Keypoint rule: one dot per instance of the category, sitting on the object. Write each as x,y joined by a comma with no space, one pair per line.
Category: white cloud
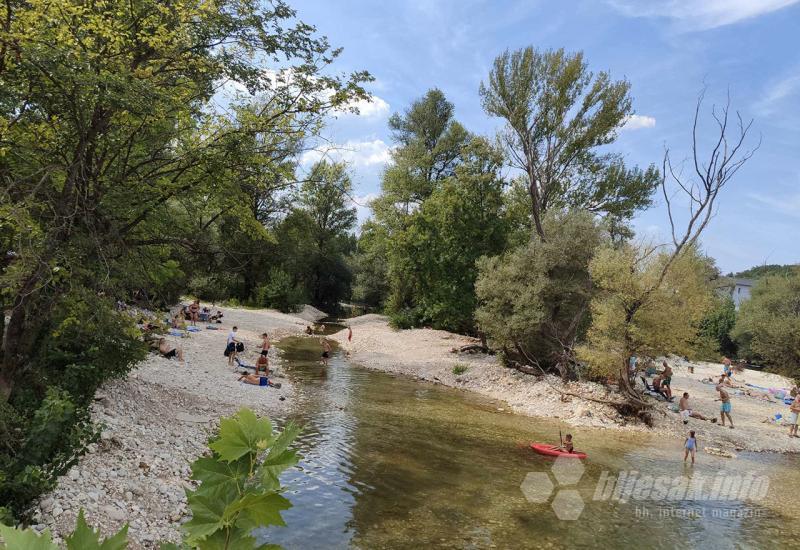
358,154
637,122
789,204
776,92
700,14
375,107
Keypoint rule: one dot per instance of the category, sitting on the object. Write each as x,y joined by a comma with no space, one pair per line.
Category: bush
406,318
715,330
214,288
41,448
279,292
768,324
88,342
533,298
239,491
45,426
460,369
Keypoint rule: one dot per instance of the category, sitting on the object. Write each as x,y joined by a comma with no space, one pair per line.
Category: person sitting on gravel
262,365
168,350
659,389
687,412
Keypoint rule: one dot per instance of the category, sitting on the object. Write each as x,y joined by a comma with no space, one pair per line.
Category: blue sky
667,49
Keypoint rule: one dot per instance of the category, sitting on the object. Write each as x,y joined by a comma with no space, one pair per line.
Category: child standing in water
690,446
326,351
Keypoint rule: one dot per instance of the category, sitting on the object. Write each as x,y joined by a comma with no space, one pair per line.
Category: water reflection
389,462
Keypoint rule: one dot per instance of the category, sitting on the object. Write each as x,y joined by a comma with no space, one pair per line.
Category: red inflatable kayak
552,450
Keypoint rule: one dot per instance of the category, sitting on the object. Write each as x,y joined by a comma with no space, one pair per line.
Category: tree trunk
15,347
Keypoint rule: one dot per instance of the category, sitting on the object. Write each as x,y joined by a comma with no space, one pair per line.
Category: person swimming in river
567,444
326,351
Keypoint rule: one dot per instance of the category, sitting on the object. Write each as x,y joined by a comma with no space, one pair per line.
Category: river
390,462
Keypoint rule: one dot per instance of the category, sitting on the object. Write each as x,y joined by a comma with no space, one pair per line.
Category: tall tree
558,114
429,142
325,198
459,223
108,118
637,281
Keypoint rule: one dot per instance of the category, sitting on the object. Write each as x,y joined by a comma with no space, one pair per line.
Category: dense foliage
147,149
768,324
238,491
444,202
534,298
715,330
641,308
760,271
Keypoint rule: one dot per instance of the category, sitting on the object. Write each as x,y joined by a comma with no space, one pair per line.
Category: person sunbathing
257,380
167,350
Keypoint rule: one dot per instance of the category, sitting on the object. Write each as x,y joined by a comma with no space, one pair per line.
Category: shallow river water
390,462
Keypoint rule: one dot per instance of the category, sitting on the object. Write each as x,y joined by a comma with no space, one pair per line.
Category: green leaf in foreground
86,538
239,484
17,539
241,434
208,506
211,471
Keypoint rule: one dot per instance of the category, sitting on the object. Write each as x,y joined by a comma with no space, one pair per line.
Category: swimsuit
170,354
325,354
690,444
726,407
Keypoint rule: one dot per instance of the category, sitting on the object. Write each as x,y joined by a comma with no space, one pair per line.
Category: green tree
652,295
558,115
325,198
108,125
716,327
429,142
370,266
460,222
768,325
641,308
533,298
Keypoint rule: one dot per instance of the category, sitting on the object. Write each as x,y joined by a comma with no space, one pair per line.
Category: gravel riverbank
427,354
156,422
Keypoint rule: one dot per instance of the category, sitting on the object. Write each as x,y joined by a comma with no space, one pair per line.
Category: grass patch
459,369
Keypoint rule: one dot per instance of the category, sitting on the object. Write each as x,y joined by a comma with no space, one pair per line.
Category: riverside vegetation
150,151
238,491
